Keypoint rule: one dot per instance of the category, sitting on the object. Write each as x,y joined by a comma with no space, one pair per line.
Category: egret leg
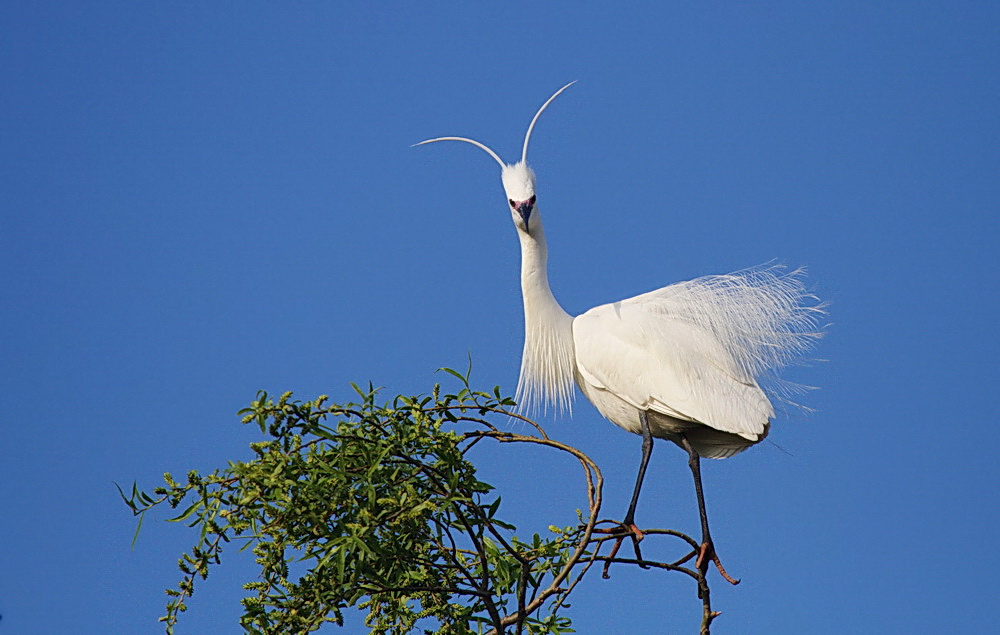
707,546
628,524
647,451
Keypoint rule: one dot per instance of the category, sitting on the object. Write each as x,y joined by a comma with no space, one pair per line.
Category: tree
378,507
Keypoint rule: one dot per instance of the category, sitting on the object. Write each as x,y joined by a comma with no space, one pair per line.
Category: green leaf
187,512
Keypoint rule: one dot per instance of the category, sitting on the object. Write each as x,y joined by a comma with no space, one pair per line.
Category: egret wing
659,360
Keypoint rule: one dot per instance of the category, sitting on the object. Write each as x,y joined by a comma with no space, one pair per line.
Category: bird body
679,363
678,374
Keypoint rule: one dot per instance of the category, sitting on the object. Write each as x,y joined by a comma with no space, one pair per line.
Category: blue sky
200,202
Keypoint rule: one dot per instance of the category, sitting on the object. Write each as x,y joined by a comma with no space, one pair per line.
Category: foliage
378,507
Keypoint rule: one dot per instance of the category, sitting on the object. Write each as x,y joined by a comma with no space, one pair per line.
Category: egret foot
623,530
706,554
637,534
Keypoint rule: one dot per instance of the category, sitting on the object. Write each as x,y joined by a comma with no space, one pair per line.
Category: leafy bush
381,508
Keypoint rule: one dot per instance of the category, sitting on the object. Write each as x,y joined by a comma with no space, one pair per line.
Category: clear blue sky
197,203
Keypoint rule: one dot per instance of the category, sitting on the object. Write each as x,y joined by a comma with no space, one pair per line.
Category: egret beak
524,211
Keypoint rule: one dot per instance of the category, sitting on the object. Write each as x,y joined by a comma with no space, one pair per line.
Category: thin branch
522,587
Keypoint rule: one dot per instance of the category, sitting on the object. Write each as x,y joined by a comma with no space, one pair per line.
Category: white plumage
679,363
689,354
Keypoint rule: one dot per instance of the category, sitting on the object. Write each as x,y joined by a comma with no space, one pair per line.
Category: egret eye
512,203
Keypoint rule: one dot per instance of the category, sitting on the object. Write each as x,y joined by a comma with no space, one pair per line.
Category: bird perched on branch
681,363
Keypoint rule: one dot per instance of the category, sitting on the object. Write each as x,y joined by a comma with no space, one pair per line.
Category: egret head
519,185
518,178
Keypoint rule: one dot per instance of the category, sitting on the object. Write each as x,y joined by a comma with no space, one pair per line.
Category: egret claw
626,530
706,553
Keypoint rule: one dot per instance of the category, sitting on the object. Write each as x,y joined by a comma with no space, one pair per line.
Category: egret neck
548,362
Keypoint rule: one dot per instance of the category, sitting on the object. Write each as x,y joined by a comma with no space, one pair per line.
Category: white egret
680,363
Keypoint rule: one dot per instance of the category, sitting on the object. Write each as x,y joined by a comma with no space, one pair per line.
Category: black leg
647,451
628,527
707,546
694,462
629,522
